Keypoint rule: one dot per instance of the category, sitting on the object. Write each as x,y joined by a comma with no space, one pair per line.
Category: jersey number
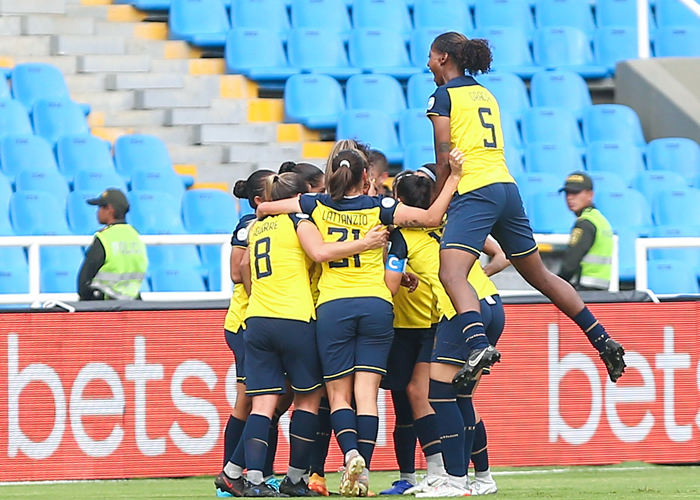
344,236
263,266
490,126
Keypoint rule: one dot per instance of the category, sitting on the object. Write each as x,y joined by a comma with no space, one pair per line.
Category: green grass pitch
621,482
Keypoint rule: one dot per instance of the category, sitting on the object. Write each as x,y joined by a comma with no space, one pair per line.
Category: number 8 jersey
360,275
475,128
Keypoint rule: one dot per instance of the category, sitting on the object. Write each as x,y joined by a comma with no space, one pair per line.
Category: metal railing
642,245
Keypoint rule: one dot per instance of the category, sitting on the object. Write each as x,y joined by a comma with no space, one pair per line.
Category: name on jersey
480,95
345,218
262,226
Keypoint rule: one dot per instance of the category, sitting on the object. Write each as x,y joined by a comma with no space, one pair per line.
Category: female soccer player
465,115
311,174
354,327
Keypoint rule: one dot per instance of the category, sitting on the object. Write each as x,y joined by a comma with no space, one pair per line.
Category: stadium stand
419,89
379,92
415,128
566,48
53,119
511,50
530,184
625,157
416,154
420,41
652,182
674,13
452,15
164,181
551,125
97,181
677,41
316,101
372,127
200,22
613,44
180,279
510,92
675,154
13,118
620,13
48,181
690,256
83,152
31,82
671,277
568,13
548,214
559,159
625,208
511,13
267,14
560,89
389,15
82,218
677,208
319,51
608,181
381,51
257,54
321,15
612,122
25,152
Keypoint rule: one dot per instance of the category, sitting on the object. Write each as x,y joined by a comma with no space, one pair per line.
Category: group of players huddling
329,304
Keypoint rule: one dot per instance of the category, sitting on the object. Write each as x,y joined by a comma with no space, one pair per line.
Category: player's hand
410,281
456,161
377,237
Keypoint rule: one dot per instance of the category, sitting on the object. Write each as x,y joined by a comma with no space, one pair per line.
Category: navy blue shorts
237,345
410,346
354,335
496,209
450,345
280,349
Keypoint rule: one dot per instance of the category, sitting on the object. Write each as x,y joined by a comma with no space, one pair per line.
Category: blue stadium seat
214,279
690,256
674,13
381,51
420,42
177,279
158,180
607,181
619,13
612,122
200,22
627,208
419,89
511,13
58,280
48,181
560,89
82,218
566,48
570,13
154,212
36,212
677,208
5,90
321,15
558,159
372,127
34,81
258,54
319,51
676,154
416,155
511,134
382,14
450,14
5,195
548,213
174,256
267,14
626,238
139,151
670,277
147,4
514,160
209,211
66,258
415,127
677,41
83,152
53,119
25,152
14,279
97,181
613,44
380,92
509,90
315,101
551,125
529,184
652,182
13,118
511,50
623,158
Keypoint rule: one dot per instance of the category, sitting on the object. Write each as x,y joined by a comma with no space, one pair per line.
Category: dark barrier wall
147,393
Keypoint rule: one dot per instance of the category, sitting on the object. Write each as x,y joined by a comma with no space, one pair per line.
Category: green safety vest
596,264
125,264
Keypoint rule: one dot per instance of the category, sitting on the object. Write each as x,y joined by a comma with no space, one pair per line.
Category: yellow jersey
279,268
239,299
475,128
360,275
420,248
414,310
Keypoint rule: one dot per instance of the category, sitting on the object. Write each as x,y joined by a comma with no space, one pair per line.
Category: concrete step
96,12
32,7
134,118
108,64
107,101
140,81
67,64
153,99
170,135
87,45
217,114
155,48
228,173
86,82
195,154
263,153
10,26
254,133
109,28
159,65
25,45
57,25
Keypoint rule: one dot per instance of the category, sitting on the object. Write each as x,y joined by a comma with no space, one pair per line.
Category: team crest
242,234
431,103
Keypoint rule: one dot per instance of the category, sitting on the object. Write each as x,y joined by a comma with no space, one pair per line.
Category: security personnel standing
115,265
588,258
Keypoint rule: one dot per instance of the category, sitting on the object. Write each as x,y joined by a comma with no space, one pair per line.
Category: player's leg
236,421
317,479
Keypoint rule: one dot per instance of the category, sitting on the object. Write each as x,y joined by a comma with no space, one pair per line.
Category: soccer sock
480,452
238,457
302,432
404,433
472,327
344,425
255,435
594,331
232,435
443,399
429,436
268,469
466,408
367,429
323,439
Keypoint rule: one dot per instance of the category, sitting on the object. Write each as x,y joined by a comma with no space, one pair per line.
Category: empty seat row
50,119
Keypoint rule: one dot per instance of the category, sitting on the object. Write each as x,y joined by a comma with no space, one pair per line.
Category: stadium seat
154,212
380,92
651,182
5,90
53,119
671,277
453,15
214,279
511,134
389,15
690,256
14,279
415,127
34,81
139,151
509,90
566,48
258,54
147,4
510,49
200,22
381,51
560,89
570,13
58,280
174,256
548,213
626,241
677,41
419,89
267,14
163,181
83,152
65,258
607,181
511,13
25,152
13,118
674,13
514,160
420,42
626,208
97,181
619,13
38,213
677,208
371,127
559,159
623,158
82,218
676,154
612,122
321,15
180,279
613,44
48,181
319,51
315,101
553,125
5,195
416,155
530,184
208,211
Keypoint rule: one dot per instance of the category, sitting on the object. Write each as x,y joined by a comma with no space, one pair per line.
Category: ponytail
346,172
253,186
470,56
283,186
310,174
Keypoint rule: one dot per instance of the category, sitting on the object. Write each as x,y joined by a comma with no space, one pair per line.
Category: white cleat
483,484
425,484
350,482
446,488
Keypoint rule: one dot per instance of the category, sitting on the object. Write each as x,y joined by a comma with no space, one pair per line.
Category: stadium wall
146,393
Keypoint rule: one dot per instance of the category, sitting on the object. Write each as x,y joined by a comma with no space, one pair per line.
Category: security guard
116,262
588,258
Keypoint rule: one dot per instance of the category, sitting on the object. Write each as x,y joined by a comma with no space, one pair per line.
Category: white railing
34,243
640,254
